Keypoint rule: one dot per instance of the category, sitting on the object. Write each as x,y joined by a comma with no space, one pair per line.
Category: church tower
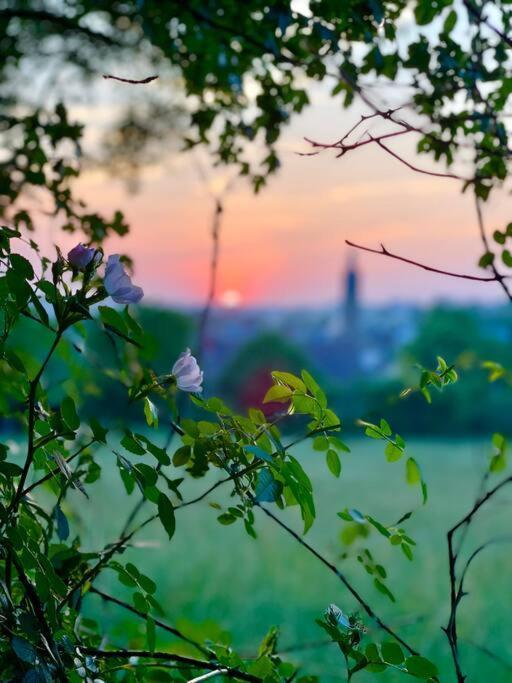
350,300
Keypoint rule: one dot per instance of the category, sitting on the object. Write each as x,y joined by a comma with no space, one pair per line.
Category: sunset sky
285,246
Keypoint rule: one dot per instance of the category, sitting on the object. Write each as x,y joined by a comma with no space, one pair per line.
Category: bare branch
385,252
416,168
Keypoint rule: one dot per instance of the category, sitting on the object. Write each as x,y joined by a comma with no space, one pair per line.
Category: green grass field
220,576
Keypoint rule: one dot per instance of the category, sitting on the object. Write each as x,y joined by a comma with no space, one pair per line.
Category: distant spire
351,291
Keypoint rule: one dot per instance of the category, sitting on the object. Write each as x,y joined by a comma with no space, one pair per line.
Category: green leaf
61,523
166,514
21,266
278,393
132,444
333,462
24,650
412,472
421,667
392,652
150,413
69,414
112,318
267,488
383,589
99,432
291,380
393,452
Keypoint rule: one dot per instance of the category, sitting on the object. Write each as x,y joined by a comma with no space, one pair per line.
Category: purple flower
118,283
187,372
80,256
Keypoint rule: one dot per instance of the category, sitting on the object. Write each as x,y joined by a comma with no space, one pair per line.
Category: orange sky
286,245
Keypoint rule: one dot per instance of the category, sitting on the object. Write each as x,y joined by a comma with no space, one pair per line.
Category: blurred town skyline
285,247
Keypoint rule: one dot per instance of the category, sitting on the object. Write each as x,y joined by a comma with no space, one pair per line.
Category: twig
416,168
168,656
369,611
457,591
385,252
490,653
56,470
34,383
131,81
158,622
483,236
476,12
215,233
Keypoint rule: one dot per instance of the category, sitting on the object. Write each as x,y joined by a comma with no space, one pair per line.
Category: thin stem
414,168
385,252
369,611
457,591
167,656
158,622
56,470
483,236
40,616
215,234
31,425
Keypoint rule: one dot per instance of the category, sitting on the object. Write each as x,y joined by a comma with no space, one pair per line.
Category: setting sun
230,298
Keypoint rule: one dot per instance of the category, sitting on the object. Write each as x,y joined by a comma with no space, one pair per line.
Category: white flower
187,372
118,283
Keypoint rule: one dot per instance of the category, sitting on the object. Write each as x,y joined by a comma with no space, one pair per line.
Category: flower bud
80,256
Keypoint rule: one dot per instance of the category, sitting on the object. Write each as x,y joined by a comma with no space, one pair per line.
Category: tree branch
385,252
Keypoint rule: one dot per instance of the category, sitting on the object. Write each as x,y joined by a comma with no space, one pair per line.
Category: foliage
46,573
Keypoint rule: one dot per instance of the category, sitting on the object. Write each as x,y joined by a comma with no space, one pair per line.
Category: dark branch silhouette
385,252
457,591
168,656
131,81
